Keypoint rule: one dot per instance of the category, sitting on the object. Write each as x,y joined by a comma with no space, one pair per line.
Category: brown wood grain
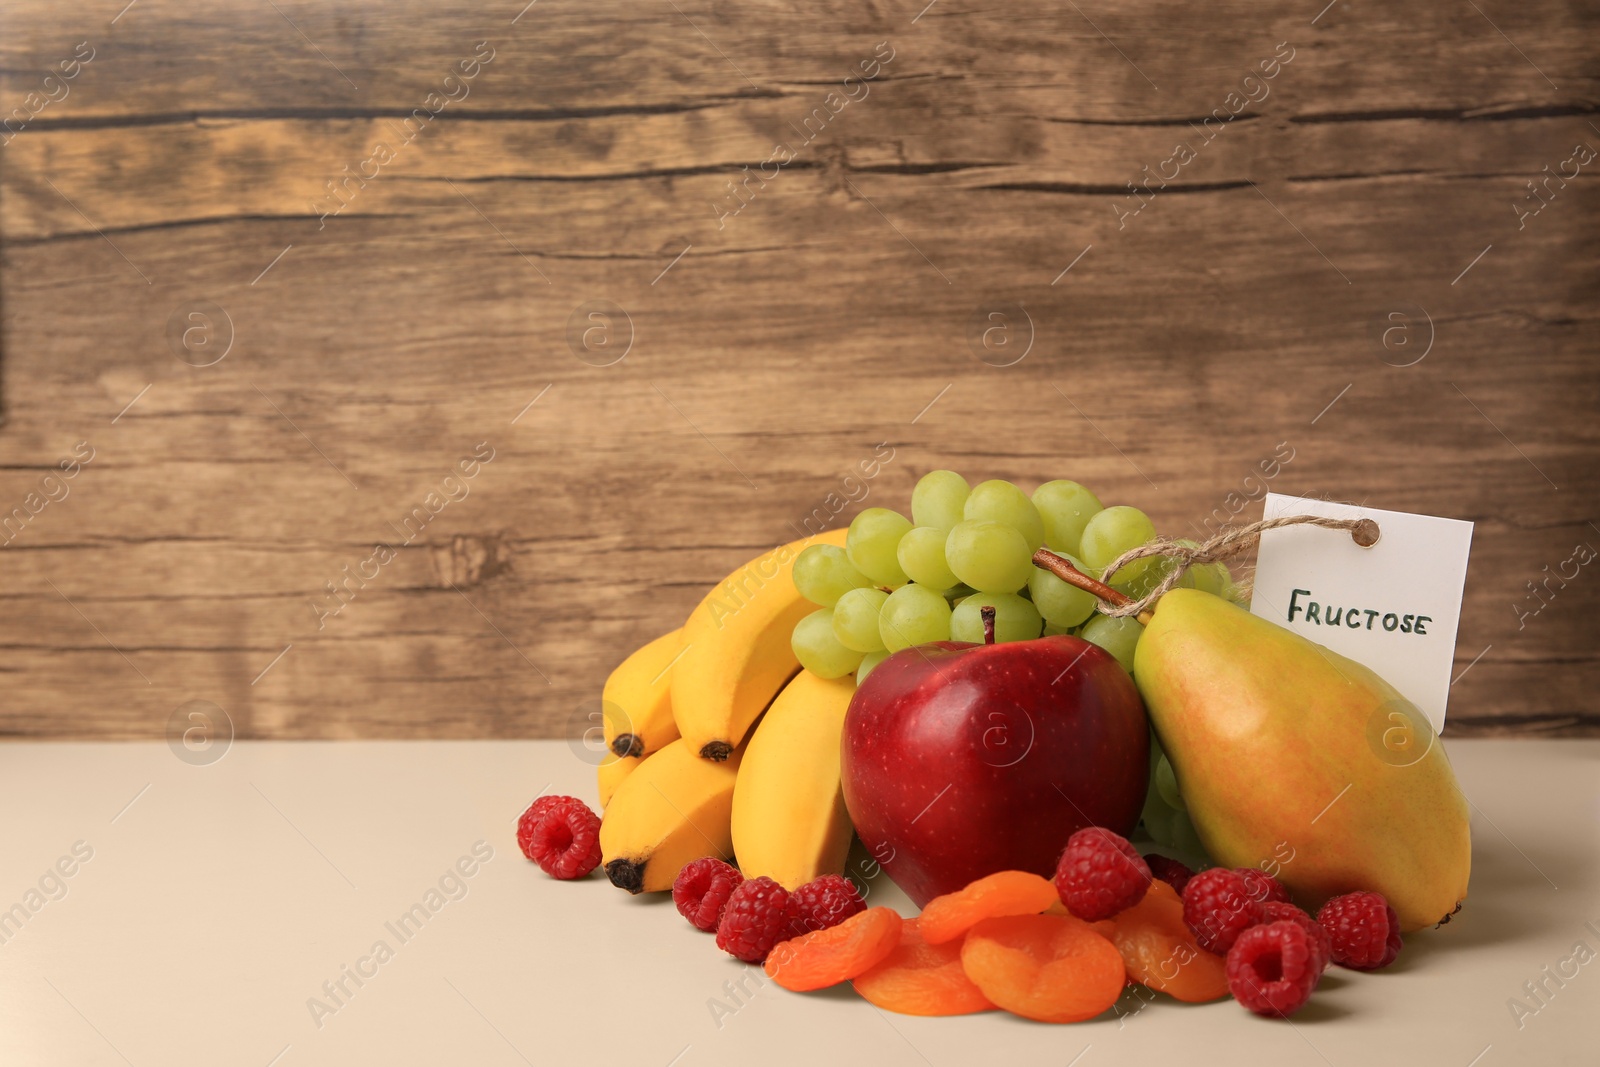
772,350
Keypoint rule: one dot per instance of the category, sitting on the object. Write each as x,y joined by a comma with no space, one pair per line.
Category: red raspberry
702,888
561,835
1100,874
526,822
1218,907
823,902
1281,911
1272,968
1169,870
1364,929
754,919
1262,886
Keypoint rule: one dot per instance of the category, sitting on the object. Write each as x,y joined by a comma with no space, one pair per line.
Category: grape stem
1062,568
987,614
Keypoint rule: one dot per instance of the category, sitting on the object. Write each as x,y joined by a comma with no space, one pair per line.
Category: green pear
1298,761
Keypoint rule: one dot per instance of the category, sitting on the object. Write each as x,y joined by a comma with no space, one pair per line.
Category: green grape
1167,782
818,650
1052,630
1184,837
855,619
1157,817
1062,605
1014,618
1117,636
938,499
1213,578
823,573
989,556
921,556
868,662
874,535
913,615
1066,507
1112,532
1153,576
958,591
1002,502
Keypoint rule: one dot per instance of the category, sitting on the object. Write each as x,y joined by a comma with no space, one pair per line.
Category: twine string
1230,542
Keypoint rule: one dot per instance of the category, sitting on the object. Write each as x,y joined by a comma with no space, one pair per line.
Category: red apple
960,760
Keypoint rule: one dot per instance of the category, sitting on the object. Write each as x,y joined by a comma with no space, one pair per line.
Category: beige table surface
219,898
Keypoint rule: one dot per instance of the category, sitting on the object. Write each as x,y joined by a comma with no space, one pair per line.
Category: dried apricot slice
1053,968
921,979
826,957
1002,893
1160,952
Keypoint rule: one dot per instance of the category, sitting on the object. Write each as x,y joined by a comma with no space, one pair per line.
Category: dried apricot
921,979
1160,951
1002,893
1053,968
826,957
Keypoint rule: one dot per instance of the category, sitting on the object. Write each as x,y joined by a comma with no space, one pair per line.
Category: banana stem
987,614
1062,568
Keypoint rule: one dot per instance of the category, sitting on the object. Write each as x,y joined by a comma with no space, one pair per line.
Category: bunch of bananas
682,780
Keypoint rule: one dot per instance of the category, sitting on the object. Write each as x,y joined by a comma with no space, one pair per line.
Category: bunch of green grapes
900,582
1166,815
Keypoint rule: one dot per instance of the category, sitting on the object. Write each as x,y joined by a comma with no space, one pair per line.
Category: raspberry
754,919
1218,907
1261,886
821,903
1272,968
1169,870
528,819
1364,929
702,888
1100,874
1282,911
561,835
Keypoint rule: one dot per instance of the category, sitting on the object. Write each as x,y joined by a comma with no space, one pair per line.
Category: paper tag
1393,607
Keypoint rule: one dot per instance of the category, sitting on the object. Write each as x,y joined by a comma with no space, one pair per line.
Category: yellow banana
612,770
736,654
637,700
674,808
789,819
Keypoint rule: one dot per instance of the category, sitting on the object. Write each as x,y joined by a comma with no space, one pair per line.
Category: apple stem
987,614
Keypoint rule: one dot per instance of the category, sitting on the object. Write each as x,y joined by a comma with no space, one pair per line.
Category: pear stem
987,614
1062,568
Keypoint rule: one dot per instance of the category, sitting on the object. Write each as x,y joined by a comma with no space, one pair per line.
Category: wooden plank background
185,165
